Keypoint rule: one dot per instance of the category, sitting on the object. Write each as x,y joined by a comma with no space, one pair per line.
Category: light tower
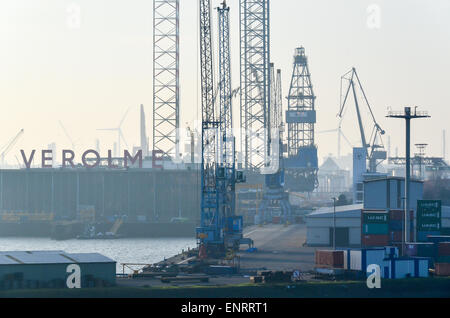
166,86
255,82
302,160
407,115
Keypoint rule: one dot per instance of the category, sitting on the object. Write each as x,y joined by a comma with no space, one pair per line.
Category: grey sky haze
87,77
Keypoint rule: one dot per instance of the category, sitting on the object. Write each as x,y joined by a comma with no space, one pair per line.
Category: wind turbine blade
124,116
123,138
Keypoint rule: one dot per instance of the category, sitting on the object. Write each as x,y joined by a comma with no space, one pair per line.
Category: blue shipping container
422,235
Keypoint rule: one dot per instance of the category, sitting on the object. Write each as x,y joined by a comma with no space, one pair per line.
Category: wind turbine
340,135
120,135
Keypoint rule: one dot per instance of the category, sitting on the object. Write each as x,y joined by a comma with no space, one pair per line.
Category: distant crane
276,200
67,135
10,145
120,135
374,151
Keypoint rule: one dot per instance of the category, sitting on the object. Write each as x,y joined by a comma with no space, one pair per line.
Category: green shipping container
376,229
377,218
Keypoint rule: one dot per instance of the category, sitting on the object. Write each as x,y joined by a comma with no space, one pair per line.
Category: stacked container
442,265
375,228
429,219
396,224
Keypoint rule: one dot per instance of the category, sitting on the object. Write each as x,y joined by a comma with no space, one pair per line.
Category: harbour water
145,251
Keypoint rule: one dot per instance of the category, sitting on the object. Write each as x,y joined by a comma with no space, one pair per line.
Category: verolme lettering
89,159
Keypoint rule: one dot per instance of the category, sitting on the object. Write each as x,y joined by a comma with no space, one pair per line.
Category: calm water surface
147,251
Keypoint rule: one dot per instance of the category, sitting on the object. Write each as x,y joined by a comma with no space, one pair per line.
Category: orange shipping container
442,269
375,240
330,259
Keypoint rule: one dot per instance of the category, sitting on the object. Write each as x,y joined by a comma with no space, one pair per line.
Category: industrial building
142,195
332,179
49,269
383,194
320,225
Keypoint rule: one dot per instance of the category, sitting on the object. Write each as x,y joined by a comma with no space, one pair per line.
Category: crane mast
220,229
275,201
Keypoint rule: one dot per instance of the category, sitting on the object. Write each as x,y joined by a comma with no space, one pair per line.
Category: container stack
396,224
442,264
375,228
437,250
387,258
429,219
382,228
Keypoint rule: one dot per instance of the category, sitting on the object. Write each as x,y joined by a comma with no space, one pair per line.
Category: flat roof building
49,269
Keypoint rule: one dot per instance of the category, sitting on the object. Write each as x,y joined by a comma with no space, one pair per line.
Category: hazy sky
87,77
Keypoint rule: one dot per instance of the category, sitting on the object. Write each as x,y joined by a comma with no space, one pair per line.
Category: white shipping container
359,259
402,268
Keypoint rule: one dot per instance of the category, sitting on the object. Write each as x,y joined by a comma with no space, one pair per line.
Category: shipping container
423,236
375,217
375,228
443,259
276,220
391,251
444,249
398,268
374,240
329,259
442,269
359,259
396,236
420,249
438,238
397,225
399,215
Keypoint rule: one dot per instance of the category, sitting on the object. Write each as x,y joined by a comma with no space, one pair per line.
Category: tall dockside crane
220,229
255,82
302,161
166,77
374,149
276,200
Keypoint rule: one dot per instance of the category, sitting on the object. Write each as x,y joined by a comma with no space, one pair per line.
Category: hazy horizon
88,76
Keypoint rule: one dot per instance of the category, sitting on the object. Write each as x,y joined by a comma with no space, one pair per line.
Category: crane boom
11,144
371,147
